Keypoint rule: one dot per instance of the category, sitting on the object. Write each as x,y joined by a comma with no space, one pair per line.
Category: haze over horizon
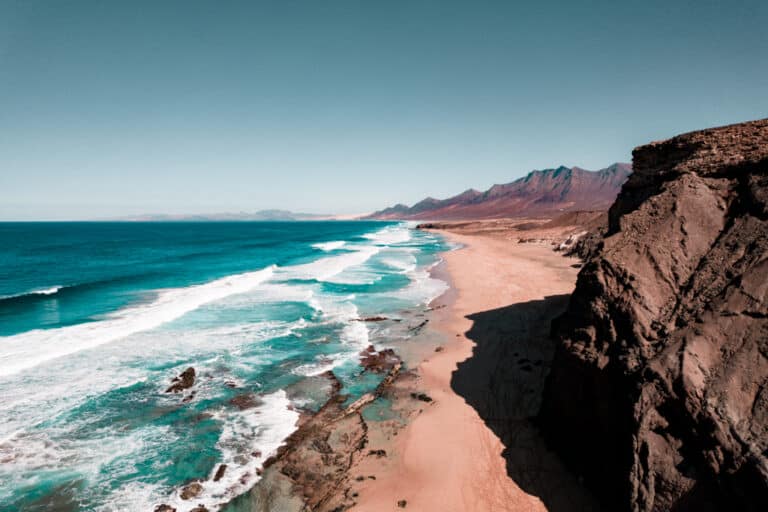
112,110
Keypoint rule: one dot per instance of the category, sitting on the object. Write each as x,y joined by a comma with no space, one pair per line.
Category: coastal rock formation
658,394
192,490
378,362
541,193
312,470
184,381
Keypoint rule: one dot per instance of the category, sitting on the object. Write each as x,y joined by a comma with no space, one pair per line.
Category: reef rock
184,381
658,394
378,362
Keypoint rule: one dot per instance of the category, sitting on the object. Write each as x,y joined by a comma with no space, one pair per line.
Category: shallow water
96,318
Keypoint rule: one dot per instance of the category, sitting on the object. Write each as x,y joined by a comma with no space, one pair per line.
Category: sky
112,108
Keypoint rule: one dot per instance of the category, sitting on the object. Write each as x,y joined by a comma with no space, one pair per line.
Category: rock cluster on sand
658,394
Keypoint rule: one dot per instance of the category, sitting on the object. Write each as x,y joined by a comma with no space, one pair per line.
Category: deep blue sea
97,318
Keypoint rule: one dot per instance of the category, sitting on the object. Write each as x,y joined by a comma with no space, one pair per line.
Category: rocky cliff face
541,193
658,394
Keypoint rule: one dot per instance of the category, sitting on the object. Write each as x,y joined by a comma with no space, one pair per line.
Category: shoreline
451,456
451,427
318,466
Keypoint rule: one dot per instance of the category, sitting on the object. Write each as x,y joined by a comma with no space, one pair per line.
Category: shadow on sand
504,380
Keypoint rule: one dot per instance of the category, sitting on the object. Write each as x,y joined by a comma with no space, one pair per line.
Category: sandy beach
474,448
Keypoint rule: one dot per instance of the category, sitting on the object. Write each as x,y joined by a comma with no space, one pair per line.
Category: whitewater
257,310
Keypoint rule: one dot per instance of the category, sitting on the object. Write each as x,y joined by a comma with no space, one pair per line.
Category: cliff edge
658,394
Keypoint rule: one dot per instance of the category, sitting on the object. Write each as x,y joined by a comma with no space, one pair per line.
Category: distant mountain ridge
265,215
541,192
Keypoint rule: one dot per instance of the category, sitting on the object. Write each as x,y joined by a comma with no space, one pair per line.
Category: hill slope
540,193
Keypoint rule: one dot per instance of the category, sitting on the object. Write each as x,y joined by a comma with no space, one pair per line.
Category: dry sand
474,448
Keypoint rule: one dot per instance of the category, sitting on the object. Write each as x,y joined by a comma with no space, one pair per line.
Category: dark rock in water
335,382
220,472
199,508
184,381
658,393
372,319
164,508
192,490
307,472
245,401
378,362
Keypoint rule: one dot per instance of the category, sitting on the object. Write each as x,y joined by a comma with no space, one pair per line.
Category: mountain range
261,215
540,193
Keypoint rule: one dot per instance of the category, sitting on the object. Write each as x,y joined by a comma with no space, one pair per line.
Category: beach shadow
504,380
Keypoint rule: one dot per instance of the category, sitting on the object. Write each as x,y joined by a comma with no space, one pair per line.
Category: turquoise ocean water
97,318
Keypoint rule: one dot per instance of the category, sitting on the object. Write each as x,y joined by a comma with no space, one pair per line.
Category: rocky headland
658,393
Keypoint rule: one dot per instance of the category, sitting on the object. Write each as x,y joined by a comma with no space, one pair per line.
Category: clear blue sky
115,108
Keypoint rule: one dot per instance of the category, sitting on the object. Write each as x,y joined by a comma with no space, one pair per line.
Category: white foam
42,291
260,430
330,246
270,292
390,235
343,310
46,291
29,452
355,276
132,496
314,369
355,333
326,268
401,259
28,349
423,288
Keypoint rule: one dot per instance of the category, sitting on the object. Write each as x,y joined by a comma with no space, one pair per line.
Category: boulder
184,381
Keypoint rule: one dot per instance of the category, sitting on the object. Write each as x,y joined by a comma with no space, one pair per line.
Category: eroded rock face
658,394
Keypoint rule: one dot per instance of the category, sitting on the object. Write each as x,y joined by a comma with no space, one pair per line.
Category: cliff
658,393
541,193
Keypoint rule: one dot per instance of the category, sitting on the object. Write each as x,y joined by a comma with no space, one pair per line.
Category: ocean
96,319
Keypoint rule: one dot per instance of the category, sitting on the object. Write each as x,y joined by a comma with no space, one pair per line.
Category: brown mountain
540,193
658,393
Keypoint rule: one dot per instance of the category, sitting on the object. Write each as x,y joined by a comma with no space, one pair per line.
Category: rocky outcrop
312,470
378,362
658,394
185,380
543,193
